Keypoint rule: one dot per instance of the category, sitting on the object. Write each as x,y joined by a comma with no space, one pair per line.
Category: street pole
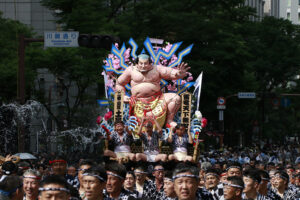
21,84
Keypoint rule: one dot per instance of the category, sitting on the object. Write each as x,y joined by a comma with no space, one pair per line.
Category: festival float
157,89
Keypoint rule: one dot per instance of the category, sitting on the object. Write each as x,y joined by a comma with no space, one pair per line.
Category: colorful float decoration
121,60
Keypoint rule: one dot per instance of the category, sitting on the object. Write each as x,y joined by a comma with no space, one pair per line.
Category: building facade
31,13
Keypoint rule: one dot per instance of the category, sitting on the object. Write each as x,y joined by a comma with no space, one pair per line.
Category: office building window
299,17
299,2
288,16
289,3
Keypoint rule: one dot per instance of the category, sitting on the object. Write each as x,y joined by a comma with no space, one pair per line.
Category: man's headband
140,172
54,189
266,179
211,174
159,169
238,167
280,176
185,175
94,175
55,161
116,175
33,177
168,179
234,185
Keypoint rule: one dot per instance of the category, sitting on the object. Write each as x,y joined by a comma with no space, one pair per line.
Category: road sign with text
246,95
61,39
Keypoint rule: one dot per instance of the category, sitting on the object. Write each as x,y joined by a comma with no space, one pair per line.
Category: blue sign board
61,38
246,95
285,102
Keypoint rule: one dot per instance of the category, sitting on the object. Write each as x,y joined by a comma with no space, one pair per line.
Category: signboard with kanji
186,101
118,106
61,38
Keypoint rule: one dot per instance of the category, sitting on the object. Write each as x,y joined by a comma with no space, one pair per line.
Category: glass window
289,3
288,16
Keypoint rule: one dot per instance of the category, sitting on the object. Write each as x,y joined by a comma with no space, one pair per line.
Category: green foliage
9,32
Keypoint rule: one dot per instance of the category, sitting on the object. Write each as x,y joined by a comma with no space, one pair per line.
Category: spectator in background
31,183
233,189
54,187
72,171
83,166
169,192
59,167
93,181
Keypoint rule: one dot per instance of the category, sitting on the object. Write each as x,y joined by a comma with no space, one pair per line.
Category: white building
286,9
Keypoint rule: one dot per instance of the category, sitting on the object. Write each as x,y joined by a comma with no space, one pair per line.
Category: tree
9,32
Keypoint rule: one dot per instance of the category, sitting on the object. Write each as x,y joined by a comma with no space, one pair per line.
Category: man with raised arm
121,138
150,141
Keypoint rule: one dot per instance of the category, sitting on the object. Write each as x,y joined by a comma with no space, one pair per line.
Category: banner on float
186,102
118,106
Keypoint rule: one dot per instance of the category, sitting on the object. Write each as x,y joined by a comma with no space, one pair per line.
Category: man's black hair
168,174
54,179
131,173
11,184
182,168
236,180
59,157
253,174
119,122
283,175
234,165
117,168
271,164
264,174
178,126
86,162
214,171
98,171
41,165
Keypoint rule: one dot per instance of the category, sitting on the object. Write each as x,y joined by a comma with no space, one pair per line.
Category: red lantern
108,115
99,119
203,122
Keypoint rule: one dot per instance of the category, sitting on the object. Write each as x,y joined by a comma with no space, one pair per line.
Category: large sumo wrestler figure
147,98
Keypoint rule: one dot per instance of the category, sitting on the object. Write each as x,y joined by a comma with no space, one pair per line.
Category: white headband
233,185
168,179
55,189
140,172
94,175
33,177
113,174
185,175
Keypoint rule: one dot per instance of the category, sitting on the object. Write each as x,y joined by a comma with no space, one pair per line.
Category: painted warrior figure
147,98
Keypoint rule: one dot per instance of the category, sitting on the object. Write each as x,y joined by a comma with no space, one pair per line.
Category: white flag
105,82
198,85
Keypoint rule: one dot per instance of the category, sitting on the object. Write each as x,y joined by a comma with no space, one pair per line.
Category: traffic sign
221,107
275,102
221,101
61,39
285,102
246,95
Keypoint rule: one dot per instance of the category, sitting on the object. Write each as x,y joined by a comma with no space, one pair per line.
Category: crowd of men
141,180
230,174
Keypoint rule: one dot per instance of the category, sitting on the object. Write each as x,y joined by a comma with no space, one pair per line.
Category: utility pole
21,84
